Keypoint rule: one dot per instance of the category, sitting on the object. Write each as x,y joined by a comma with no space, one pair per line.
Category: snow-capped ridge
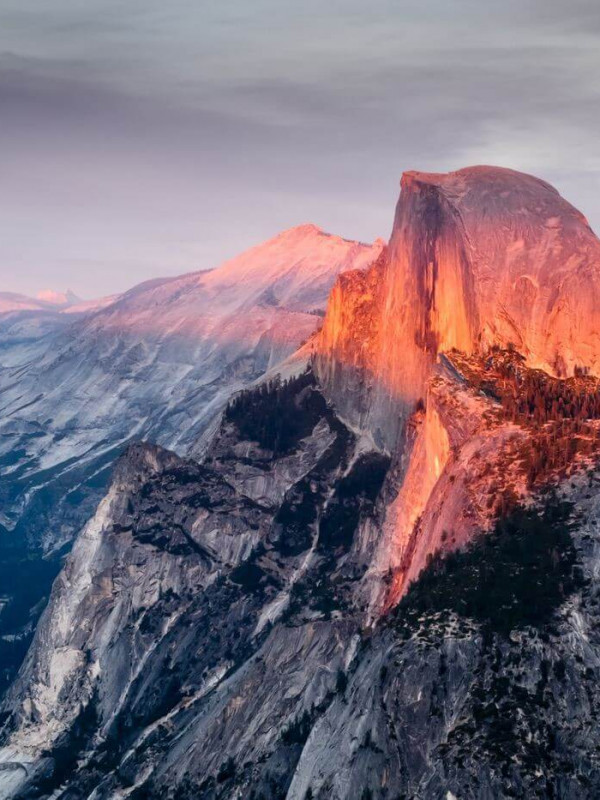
59,299
52,302
297,268
160,360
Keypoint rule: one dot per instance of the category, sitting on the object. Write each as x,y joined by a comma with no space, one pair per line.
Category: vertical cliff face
477,257
462,455
346,349
429,302
533,267
480,258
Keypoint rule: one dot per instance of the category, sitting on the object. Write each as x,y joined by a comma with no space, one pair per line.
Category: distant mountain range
45,301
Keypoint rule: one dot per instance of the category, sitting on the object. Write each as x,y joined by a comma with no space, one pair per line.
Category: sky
143,138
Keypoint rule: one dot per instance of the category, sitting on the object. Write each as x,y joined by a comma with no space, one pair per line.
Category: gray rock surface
204,642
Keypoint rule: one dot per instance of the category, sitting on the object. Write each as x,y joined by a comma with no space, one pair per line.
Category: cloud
160,137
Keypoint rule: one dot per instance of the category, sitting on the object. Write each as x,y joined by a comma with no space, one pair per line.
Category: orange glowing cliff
478,259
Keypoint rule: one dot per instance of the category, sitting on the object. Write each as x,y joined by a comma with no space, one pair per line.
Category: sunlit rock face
525,267
457,462
346,349
477,257
480,257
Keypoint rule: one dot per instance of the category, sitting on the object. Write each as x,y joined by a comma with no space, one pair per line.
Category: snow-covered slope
46,300
156,363
12,301
87,306
28,324
59,299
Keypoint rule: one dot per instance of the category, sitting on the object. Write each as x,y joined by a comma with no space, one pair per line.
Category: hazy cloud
146,138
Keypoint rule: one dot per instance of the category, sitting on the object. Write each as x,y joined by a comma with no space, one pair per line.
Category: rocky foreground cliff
381,581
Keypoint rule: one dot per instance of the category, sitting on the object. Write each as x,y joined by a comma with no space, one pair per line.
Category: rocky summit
375,574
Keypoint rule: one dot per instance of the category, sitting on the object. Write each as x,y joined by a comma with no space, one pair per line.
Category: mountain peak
496,193
304,229
511,253
478,257
300,265
55,298
309,231
486,173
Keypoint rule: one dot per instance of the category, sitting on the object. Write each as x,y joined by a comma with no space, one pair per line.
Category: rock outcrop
180,574
477,257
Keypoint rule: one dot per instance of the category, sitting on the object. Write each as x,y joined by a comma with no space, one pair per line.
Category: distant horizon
148,142
36,293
